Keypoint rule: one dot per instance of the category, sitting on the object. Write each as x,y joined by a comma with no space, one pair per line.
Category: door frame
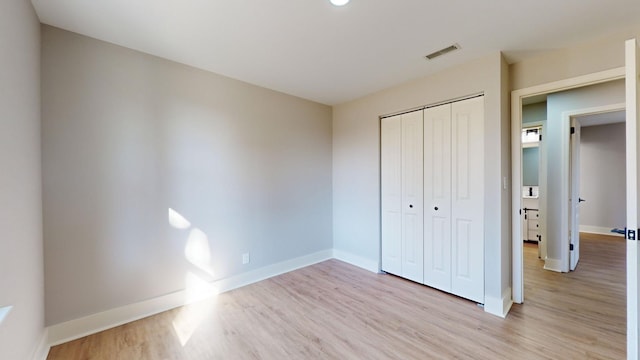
516,160
565,144
632,63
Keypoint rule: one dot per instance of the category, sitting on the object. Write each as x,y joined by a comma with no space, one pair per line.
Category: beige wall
604,53
126,136
356,170
21,274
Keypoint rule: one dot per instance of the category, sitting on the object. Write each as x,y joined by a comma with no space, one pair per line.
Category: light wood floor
336,311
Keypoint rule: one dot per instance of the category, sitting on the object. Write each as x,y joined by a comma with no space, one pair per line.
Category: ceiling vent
441,52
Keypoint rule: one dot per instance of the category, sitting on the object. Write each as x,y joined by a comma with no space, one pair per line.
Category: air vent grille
441,52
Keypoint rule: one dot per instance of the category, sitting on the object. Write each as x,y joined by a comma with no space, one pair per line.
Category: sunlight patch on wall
197,251
177,220
4,311
200,291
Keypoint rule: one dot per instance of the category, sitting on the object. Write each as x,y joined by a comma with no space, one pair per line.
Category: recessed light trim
339,2
443,51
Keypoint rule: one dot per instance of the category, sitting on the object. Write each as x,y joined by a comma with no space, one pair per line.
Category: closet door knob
435,208
411,206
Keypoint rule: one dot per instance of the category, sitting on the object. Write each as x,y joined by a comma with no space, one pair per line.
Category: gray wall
21,274
126,136
602,176
530,166
534,112
557,103
356,166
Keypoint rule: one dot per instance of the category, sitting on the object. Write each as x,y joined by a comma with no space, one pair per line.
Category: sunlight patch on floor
190,318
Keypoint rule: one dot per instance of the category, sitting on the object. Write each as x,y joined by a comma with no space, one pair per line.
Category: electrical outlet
245,258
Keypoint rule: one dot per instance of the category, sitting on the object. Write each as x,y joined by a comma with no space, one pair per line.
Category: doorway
518,97
590,119
631,73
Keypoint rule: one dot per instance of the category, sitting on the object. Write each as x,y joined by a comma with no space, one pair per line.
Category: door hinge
570,247
631,234
520,212
540,138
573,130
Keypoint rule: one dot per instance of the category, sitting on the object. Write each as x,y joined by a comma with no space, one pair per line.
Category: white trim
598,230
75,329
516,159
632,135
553,264
356,260
499,307
42,350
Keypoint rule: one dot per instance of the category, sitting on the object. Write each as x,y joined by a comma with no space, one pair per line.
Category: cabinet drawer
533,224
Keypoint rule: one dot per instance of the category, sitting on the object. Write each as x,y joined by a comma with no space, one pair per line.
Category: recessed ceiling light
339,2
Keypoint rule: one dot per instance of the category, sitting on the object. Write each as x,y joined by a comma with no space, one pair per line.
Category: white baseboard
598,230
553,265
42,350
269,271
499,307
75,329
356,260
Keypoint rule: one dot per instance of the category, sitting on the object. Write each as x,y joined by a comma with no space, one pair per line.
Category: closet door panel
437,197
412,196
391,186
467,243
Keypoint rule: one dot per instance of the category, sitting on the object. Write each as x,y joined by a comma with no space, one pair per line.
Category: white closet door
391,184
437,197
412,197
467,180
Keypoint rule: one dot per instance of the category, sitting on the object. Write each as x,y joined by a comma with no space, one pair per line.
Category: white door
412,197
391,187
632,135
437,197
467,208
574,193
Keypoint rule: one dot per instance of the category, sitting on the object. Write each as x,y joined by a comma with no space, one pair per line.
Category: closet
402,195
432,187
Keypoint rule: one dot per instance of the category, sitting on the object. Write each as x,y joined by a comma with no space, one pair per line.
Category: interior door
437,197
632,135
391,193
412,197
574,193
467,190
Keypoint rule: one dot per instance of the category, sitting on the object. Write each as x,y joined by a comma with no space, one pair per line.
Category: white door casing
632,157
517,97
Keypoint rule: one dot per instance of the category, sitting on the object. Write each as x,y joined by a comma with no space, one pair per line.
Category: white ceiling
602,118
314,50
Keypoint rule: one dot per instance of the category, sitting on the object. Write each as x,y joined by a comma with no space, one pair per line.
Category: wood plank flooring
333,310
